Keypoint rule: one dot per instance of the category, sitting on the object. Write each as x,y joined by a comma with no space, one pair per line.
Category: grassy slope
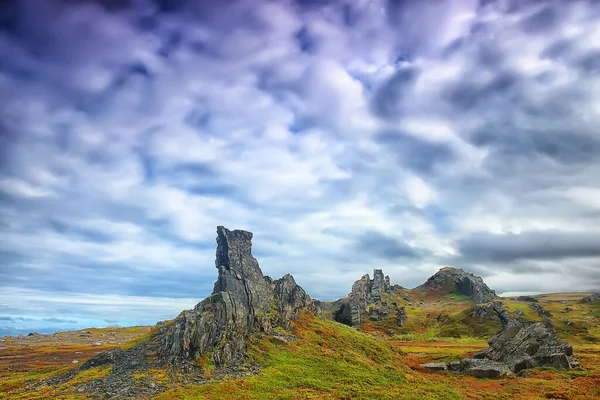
330,361
23,362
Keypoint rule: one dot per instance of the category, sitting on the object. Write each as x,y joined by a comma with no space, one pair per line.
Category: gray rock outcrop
591,298
493,310
521,345
462,281
517,346
527,298
365,292
243,302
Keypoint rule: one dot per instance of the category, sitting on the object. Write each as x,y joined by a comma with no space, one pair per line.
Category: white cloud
418,191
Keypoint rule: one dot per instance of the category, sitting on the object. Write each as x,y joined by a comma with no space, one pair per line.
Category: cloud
380,245
392,134
540,245
60,320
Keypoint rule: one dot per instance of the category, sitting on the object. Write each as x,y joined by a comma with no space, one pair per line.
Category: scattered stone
493,310
97,344
74,361
591,298
435,366
483,368
544,314
454,366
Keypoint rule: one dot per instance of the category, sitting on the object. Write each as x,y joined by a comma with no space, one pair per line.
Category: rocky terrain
519,345
215,333
273,340
376,302
591,298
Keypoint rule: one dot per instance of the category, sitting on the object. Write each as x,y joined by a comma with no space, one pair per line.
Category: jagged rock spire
366,291
243,301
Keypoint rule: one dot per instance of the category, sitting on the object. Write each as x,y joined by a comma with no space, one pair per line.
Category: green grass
457,296
330,361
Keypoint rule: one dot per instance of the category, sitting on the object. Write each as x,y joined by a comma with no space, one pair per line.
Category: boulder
517,346
482,368
436,366
520,345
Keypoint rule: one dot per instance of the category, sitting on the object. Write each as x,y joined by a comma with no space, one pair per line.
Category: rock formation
243,303
591,298
493,310
454,279
369,301
517,346
527,298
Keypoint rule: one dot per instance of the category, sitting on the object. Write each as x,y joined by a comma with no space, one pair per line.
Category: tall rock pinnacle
366,291
243,301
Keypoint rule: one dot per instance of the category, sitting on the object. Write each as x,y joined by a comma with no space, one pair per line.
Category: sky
346,135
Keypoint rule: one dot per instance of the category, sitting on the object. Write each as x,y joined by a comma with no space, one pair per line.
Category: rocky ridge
449,278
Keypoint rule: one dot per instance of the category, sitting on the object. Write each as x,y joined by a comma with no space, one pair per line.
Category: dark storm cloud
538,245
468,95
380,245
542,21
417,154
390,97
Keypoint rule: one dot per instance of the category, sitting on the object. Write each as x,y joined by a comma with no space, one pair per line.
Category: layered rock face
464,282
367,302
243,302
